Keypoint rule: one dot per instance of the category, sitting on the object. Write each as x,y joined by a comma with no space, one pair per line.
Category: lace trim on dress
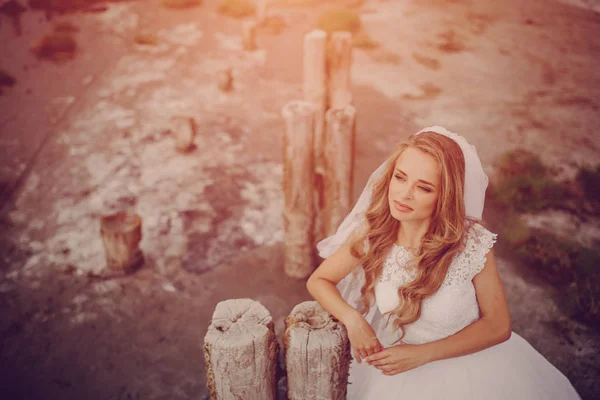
395,267
468,263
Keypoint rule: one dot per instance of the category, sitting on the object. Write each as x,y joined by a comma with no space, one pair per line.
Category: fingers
366,351
381,364
374,347
357,356
360,355
371,350
378,344
365,348
378,356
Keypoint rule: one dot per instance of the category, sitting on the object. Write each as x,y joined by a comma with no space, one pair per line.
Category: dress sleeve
471,260
479,243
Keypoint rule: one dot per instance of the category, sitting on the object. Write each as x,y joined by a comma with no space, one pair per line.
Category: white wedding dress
512,370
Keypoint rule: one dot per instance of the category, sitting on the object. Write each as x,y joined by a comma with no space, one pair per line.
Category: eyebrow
420,180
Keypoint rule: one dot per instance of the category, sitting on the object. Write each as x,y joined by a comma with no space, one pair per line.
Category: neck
411,233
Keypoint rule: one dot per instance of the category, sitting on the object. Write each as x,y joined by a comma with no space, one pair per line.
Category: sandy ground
89,133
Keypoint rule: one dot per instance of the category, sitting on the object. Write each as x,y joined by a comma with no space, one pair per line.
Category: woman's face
414,187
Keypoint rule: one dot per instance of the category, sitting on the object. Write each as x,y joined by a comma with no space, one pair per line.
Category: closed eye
423,188
401,176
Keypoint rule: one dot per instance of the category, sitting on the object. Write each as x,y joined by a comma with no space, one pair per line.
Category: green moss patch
589,179
6,79
572,268
524,183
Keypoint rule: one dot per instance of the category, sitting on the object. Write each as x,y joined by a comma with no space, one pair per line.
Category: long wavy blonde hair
441,243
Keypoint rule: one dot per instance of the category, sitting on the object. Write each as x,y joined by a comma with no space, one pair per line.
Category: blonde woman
411,274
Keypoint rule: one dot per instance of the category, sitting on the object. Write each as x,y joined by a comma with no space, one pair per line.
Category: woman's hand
397,359
362,337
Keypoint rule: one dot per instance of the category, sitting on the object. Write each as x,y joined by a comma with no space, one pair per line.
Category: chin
401,218
399,215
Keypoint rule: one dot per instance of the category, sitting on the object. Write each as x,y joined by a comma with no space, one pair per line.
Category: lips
402,207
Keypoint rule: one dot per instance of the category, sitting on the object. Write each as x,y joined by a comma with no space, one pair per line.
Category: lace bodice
450,309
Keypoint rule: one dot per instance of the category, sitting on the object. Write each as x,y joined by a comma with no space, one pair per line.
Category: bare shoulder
487,280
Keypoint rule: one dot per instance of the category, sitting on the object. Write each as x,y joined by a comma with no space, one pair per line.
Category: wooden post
339,62
315,92
317,354
241,351
121,234
225,80
249,35
298,178
261,10
339,163
183,130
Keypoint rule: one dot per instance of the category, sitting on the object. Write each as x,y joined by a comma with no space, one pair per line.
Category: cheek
392,188
429,202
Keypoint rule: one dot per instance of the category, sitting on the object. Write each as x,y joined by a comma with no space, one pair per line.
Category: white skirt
511,370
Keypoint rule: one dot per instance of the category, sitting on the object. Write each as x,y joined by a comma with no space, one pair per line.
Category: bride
411,274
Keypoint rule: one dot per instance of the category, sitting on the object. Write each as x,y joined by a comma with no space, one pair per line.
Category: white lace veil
476,182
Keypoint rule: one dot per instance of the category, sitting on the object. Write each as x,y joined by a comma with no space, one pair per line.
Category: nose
408,192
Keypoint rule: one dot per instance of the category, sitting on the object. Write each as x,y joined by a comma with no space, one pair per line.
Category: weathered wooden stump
240,351
315,92
261,10
117,199
225,80
315,83
317,354
339,62
121,234
249,35
339,163
298,179
183,130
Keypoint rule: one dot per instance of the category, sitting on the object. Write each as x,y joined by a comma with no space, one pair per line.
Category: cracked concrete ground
519,75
